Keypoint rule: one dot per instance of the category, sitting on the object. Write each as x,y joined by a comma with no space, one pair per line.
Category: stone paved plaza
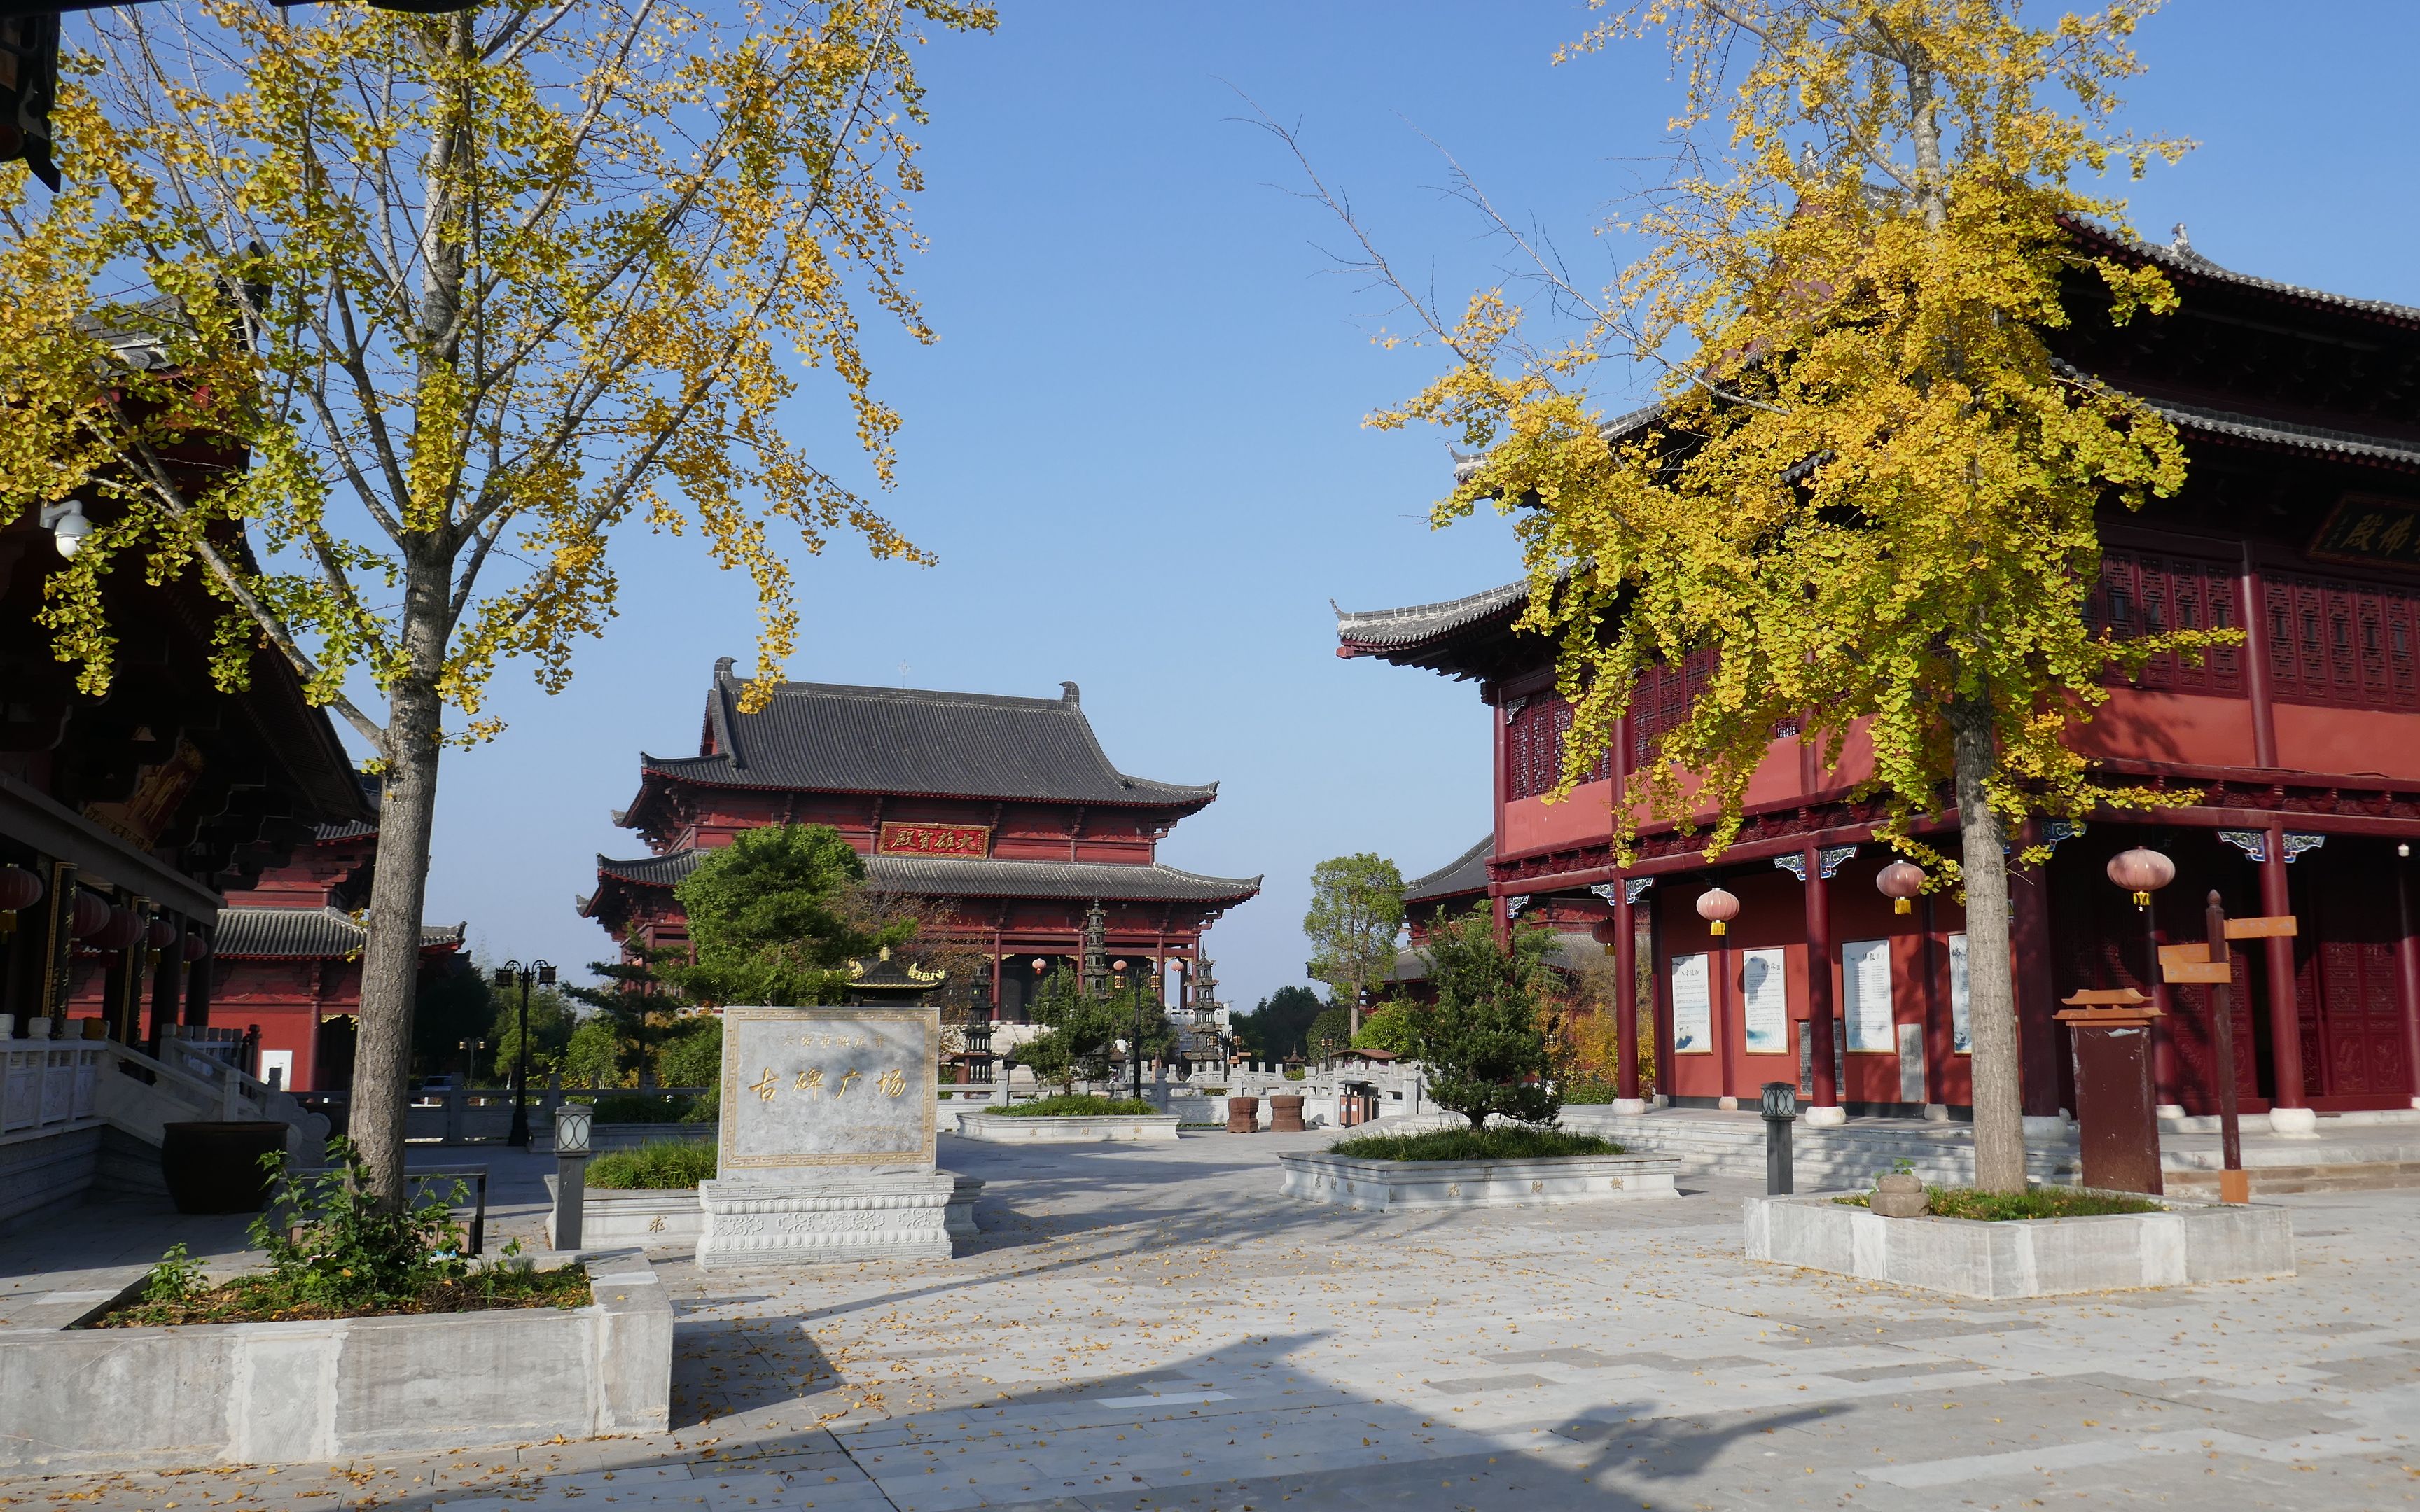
1149,1327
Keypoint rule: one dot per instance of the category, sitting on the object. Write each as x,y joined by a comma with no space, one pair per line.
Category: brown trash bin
1243,1115
1286,1114
215,1168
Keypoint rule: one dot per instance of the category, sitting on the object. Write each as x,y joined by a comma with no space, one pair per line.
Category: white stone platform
753,1222
666,1217
1115,1128
1384,1185
2188,1243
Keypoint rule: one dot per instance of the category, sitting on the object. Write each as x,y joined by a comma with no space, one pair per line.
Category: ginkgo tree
468,294
1867,487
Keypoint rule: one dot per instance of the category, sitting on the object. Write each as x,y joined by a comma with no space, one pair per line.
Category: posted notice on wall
1960,1041
1866,981
1764,1001
1693,1005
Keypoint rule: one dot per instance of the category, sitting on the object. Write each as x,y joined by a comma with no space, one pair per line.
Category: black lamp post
1134,1054
541,972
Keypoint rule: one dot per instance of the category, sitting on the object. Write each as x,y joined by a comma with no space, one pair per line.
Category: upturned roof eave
1191,800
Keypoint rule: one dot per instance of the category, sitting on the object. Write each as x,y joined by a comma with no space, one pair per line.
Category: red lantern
161,935
2142,872
19,888
1603,931
196,947
124,929
1717,907
91,916
1900,882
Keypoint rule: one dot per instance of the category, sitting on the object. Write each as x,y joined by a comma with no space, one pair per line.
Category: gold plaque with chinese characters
809,1088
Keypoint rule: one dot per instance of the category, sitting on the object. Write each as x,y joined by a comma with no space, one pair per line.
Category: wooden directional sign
2193,971
2191,953
2107,997
2271,926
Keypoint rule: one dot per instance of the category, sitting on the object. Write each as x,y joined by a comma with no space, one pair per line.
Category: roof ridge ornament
1070,693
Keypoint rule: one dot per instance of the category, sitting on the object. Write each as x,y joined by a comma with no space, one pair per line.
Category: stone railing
47,1083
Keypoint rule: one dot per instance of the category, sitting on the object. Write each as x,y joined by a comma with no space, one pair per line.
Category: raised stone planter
657,1217
199,1394
1115,1128
2188,1243
1383,1185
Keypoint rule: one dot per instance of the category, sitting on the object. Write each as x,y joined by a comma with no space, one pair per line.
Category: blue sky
1138,448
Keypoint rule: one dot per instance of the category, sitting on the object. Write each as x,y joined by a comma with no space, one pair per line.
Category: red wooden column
2165,1084
1825,1106
2406,975
1626,996
2285,1006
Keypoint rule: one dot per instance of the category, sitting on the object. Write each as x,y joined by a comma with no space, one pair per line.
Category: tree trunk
1991,978
398,888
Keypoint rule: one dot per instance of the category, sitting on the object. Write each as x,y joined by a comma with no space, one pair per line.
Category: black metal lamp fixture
541,972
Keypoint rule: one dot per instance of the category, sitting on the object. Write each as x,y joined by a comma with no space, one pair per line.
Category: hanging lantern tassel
2142,872
1717,907
1901,882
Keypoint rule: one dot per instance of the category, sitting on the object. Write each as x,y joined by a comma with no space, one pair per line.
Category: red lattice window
1663,699
2143,592
2344,643
1533,749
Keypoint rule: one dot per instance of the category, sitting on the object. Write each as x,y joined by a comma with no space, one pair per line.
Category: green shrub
1588,1089
692,1056
1077,1105
658,1165
642,1107
1394,1027
1508,1142
2017,1206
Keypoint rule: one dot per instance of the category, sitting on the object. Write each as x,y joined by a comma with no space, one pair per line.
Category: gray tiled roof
833,738
2179,256
301,934
1385,628
2285,433
949,877
1572,950
1464,873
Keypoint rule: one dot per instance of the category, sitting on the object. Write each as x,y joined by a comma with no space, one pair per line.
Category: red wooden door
2344,986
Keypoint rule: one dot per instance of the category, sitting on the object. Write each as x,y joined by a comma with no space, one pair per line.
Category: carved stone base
758,1221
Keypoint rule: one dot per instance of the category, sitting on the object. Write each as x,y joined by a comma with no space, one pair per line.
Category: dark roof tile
945,877
1465,873
302,934
833,738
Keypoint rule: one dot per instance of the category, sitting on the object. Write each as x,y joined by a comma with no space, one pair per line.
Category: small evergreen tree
1079,1028
775,919
1488,1044
637,1004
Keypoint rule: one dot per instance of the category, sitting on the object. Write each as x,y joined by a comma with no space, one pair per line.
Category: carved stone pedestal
835,1216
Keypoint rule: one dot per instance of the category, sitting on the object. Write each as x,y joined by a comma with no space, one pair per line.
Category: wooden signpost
2209,964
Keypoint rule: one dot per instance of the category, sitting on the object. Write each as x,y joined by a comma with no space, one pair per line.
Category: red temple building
286,958
2299,523
1006,808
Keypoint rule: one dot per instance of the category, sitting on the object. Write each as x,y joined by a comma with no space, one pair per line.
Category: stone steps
2365,1176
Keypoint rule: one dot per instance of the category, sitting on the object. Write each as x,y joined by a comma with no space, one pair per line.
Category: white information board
1866,981
1764,1001
1960,1040
1692,1006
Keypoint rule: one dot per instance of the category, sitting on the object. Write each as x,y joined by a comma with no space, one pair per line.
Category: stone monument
827,1130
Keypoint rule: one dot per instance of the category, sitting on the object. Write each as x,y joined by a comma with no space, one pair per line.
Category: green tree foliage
692,1055
638,1002
592,1056
774,917
551,1024
449,1007
1356,914
1329,1032
1277,1025
1489,1044
1078,1030
1395,1026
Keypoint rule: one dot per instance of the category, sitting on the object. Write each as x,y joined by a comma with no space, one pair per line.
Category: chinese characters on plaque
972,841
805,1087
2368,528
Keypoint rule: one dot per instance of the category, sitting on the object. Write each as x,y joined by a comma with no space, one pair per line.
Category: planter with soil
1499,1168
